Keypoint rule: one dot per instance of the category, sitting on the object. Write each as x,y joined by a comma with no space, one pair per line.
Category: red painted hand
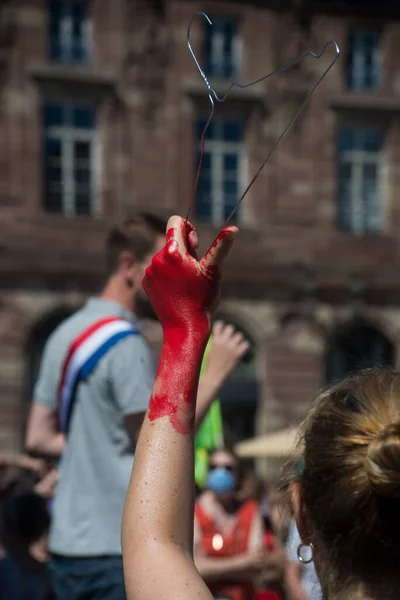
185,291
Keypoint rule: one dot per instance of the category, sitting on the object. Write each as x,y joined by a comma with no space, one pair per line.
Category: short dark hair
137,234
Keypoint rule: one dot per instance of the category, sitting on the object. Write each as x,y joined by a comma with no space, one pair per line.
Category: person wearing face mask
229,548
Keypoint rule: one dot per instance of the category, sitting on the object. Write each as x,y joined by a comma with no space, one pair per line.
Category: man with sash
93,389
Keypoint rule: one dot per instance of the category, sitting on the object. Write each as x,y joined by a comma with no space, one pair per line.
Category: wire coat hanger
212,95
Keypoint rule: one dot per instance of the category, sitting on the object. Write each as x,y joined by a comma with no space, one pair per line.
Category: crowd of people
111,448
244,547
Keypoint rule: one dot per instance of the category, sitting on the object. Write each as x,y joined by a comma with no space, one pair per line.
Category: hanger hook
210,97
212,94
203,14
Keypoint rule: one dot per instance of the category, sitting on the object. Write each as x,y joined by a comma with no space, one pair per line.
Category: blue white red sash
83,356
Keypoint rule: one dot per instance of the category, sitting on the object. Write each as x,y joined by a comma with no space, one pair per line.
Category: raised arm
157,528
228,347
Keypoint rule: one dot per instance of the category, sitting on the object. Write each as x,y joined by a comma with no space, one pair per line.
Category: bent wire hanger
212,95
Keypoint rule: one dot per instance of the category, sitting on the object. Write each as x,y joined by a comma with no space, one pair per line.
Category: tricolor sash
83,356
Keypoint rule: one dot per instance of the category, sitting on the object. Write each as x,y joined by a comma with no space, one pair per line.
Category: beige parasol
279,444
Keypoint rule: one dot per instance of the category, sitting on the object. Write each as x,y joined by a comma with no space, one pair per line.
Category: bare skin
157,529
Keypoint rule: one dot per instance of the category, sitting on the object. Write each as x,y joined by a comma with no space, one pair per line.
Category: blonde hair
350,484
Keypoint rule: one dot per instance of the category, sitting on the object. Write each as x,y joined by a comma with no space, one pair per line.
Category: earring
305,561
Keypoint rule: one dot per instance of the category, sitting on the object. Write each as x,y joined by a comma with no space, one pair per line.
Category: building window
69,155
222,48
221,174
364,60
70,33
360,165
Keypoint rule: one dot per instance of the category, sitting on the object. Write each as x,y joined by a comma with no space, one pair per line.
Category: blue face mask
221,480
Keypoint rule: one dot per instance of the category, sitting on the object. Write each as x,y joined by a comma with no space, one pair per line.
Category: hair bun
383,462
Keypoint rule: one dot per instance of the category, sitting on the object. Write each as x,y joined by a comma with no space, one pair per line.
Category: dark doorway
37,341
354,346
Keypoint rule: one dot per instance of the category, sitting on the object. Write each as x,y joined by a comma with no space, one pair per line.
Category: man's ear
126,260
300,513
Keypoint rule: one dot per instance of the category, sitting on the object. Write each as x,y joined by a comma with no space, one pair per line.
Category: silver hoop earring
305,561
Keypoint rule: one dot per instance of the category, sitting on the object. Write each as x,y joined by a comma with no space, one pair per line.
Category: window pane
53,174
52,149
230,162
373,140
204,199
345,212
82,176
219,47
53,202
229,204
206,164
204,186
203,208
230,188
346,140
81,150
372,206
363,68
82,204
84,118
232,132
53,115
68,30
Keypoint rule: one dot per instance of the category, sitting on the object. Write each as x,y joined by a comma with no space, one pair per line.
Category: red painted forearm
175,389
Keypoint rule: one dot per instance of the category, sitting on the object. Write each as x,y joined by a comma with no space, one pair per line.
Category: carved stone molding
147,53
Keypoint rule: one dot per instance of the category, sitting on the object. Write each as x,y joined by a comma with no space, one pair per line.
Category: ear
300,514
126,261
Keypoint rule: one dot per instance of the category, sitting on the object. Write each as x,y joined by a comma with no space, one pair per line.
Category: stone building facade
100,111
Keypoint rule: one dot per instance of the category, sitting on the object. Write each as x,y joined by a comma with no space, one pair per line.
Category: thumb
220,248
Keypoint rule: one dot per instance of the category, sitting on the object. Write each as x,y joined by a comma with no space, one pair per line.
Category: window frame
359,221
358,72
67,135
215,58
63,44
219,148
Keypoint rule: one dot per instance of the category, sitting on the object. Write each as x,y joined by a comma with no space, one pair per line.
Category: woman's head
222,476
347,499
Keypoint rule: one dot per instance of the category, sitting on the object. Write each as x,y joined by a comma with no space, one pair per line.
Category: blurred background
101,112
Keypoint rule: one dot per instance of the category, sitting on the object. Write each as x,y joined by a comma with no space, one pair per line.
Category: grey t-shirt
96,465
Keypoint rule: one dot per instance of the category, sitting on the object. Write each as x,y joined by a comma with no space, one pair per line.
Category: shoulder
132,346
68,328
131,356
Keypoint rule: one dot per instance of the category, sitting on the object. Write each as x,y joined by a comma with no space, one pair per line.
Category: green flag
210,434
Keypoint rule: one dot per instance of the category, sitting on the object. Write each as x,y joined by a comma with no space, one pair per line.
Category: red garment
234,542
267,595
269,540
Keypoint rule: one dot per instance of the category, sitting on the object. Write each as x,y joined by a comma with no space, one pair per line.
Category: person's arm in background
43,437
132,374
23,461
227,349
245,566
157,526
